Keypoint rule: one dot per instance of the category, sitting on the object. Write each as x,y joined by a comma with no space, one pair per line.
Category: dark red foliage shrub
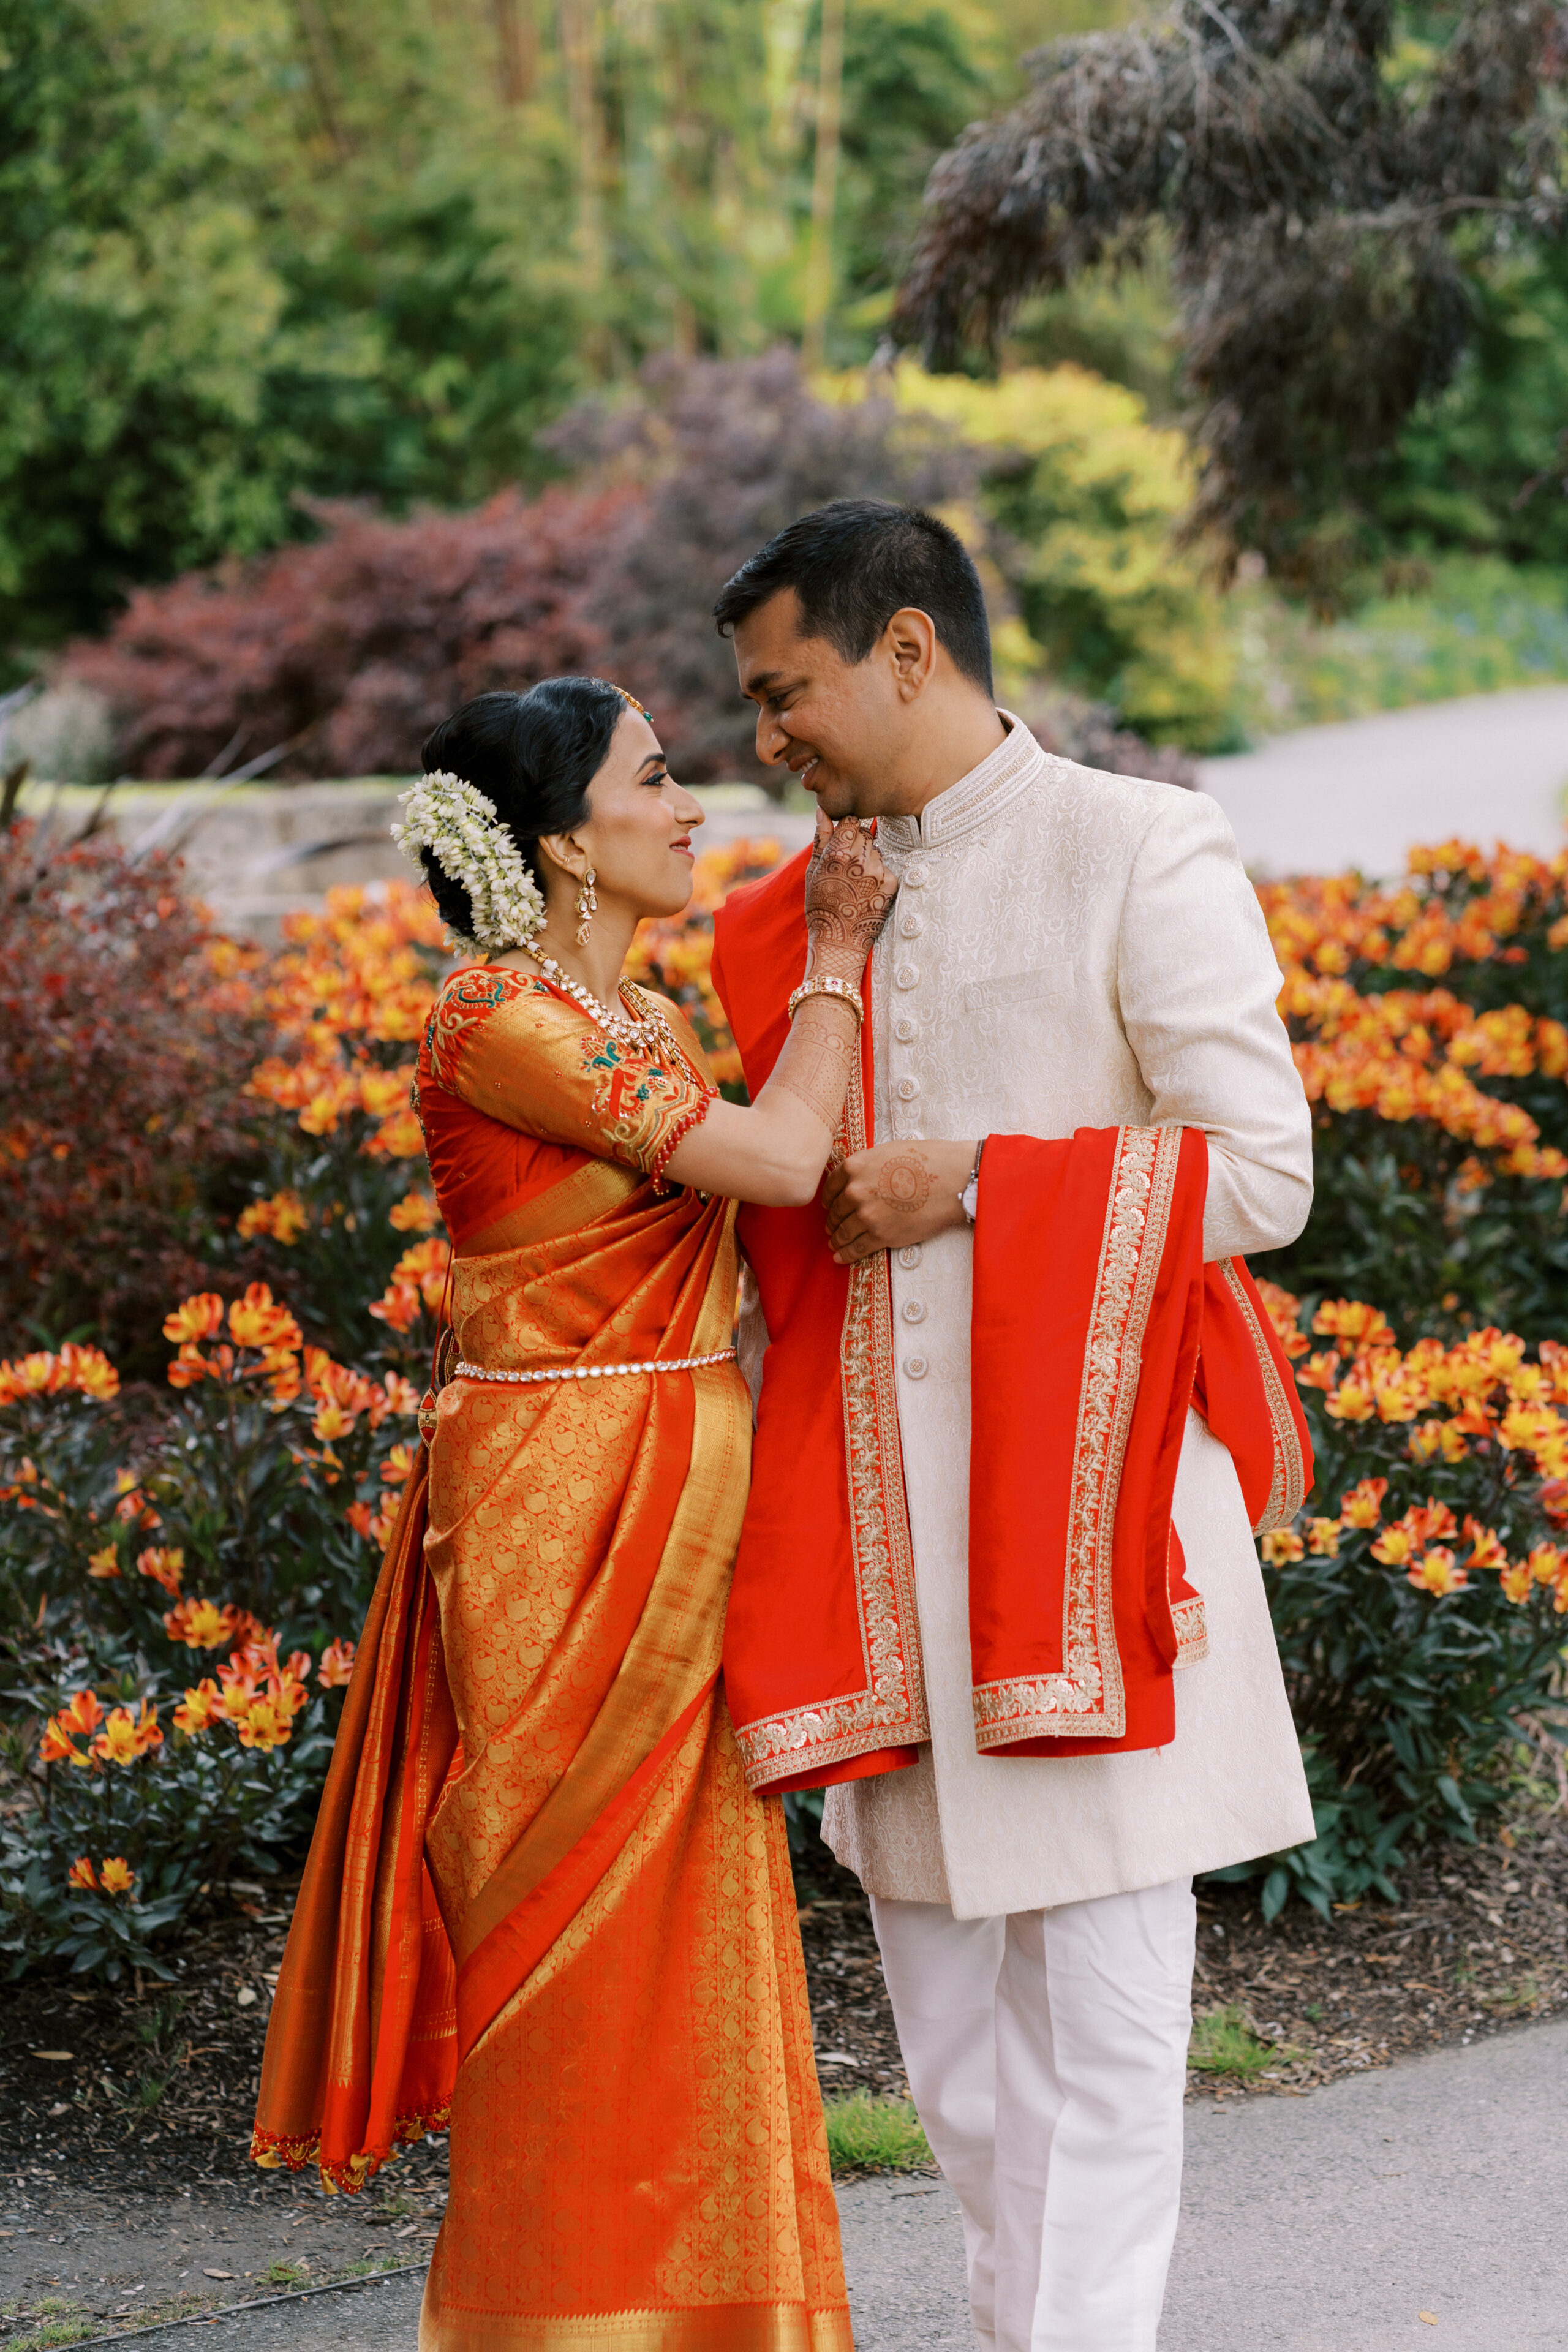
348,649
126,1033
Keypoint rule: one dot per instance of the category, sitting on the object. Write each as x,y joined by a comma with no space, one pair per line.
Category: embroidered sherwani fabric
1071,948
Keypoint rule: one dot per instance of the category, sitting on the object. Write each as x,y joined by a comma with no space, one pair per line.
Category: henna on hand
904,1185
895,1193
849,890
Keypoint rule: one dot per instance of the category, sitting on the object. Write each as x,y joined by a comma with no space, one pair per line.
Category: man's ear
909,642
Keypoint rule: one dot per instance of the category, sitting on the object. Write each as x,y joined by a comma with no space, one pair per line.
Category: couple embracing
956,1523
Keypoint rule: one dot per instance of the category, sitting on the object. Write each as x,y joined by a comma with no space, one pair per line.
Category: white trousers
1047,2053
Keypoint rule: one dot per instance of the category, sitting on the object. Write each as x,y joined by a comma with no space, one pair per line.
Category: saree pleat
360,2052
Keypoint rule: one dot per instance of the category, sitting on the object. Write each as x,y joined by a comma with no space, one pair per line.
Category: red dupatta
1095,1322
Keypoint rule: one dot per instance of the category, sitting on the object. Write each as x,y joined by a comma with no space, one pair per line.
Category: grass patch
70,2329
1225,2041
875,2135
285,2274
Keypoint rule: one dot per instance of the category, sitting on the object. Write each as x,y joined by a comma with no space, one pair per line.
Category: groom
997,1590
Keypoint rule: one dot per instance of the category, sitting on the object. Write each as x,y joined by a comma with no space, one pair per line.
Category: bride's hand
849,894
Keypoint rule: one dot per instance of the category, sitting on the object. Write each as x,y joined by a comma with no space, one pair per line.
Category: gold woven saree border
718,2327
1087,1698
891,1712
1287,1481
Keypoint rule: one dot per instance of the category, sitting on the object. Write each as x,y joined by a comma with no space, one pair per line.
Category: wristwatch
969,1199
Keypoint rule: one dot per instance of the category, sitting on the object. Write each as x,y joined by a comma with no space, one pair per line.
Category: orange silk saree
541,1899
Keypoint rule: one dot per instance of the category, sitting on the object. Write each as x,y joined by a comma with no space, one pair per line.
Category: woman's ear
565,854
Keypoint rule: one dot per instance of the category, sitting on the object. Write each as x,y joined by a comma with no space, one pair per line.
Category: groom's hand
895,1194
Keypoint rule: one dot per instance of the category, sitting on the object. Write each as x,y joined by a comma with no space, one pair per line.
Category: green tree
221,287
1324,178
1485,465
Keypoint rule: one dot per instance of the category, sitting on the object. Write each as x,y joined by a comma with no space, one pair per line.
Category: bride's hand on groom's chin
894,1195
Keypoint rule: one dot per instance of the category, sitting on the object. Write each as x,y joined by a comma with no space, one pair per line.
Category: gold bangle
845,992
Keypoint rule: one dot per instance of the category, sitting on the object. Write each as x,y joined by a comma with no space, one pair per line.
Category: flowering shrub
1421,1598
274,1480
123,1022
237,1777
274,1474
346,1001
1430,1025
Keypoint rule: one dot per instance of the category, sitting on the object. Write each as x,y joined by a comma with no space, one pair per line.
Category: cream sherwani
1070,948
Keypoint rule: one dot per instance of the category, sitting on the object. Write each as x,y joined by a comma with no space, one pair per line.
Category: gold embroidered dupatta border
1087,1699
892,1711
1290,1478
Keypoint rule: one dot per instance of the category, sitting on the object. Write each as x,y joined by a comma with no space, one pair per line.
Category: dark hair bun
534,755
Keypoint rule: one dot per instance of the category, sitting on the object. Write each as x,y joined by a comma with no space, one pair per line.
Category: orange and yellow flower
1363,1506
164,1563
1437,1571
284,1217
200,1708
125,1737
74,1370
196,1318
337,1665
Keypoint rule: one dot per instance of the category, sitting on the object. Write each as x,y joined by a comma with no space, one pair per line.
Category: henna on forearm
818,1059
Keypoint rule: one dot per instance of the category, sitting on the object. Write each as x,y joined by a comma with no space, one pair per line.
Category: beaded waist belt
596,1371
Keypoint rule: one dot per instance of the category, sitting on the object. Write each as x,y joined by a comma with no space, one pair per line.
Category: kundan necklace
647,1032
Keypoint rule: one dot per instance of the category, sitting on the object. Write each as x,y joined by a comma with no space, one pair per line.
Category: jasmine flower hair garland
460,827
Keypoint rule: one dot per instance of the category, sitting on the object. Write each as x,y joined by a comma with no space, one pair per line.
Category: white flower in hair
460,827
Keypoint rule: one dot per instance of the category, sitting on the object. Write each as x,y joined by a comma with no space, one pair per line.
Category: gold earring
587,906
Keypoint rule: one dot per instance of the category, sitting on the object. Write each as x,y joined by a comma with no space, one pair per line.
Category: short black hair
534,755
854,564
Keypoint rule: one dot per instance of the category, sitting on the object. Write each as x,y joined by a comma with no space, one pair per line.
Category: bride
541,1899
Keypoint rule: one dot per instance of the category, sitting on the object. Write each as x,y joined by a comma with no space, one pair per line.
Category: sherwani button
911,925
917,876
908,975
914,1311
911,1257
906,1090
916,1367
905,1031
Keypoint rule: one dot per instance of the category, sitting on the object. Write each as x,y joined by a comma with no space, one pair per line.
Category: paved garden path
1329,2222
1325,2223
1494,766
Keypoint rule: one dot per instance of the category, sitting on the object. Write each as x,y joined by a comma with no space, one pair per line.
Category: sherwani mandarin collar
975,801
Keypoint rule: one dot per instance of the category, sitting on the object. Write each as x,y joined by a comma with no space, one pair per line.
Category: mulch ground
156,2085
